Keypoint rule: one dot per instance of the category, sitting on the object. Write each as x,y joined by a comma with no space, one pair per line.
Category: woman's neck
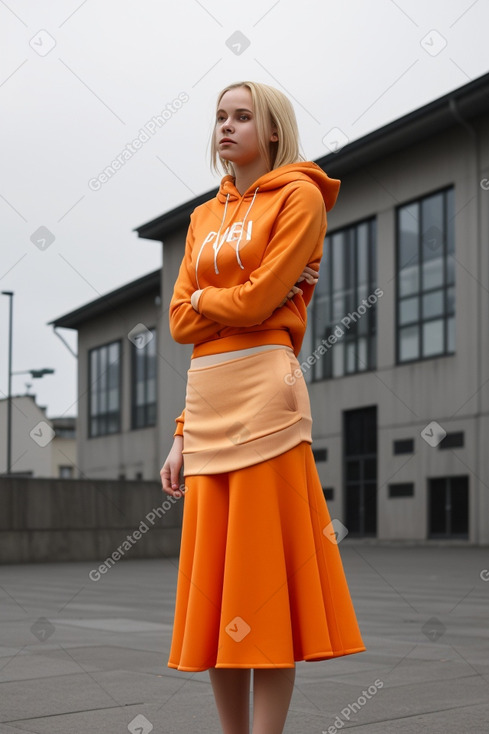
244,176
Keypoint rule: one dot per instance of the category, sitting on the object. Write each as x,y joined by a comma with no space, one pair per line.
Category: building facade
396,354
40,446
119,395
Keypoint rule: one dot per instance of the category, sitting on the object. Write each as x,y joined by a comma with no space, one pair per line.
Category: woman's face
236,133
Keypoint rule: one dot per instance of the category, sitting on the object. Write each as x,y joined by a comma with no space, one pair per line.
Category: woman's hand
170,471
293,292
310,275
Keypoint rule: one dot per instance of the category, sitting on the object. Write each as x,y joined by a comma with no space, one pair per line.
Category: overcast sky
80,80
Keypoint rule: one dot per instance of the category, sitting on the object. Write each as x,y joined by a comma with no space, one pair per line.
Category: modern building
396,354
119,347
40,446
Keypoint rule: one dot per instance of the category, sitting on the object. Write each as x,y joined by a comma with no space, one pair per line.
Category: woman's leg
231,688
272,691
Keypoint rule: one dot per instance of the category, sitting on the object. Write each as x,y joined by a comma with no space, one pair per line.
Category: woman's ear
274,136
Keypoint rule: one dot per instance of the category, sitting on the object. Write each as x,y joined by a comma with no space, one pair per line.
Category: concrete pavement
81,656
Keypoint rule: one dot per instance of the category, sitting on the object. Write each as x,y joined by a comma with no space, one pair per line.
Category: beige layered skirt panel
244,410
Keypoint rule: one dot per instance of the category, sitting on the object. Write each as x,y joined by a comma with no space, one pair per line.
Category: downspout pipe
472,132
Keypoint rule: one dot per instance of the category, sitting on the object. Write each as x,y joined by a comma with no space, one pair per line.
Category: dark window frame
447,314
403,446
323,366
149,409
362,460
328,493
320,454
91,384
453,440
62,467
400,490
448,481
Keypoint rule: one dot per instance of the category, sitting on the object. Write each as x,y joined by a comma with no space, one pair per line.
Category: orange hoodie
245,252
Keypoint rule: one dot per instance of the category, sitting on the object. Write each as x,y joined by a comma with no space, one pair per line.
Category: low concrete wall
44,520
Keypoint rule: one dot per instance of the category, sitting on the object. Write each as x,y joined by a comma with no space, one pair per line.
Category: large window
426,277
105,382
144,381
344,305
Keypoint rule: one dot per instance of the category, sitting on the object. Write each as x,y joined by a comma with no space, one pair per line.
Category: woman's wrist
194,300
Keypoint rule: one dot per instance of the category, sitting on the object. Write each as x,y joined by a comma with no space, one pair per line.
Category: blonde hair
272,110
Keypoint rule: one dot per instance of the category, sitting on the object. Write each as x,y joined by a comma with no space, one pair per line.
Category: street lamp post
9,402
32,373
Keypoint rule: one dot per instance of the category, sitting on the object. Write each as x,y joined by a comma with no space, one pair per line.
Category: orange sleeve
299,227
188,326
180,422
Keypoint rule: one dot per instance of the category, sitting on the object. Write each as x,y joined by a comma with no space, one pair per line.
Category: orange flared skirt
261,582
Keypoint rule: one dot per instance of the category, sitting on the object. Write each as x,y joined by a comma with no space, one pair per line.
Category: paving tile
78,657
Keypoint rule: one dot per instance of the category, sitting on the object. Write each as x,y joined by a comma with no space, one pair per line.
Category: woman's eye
222,118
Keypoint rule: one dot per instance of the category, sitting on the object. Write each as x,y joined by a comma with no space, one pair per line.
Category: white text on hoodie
232,233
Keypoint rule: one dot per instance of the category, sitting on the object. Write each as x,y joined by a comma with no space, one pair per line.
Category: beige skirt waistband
244,410
234,354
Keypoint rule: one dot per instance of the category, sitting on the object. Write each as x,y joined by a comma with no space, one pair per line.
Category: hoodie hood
278,177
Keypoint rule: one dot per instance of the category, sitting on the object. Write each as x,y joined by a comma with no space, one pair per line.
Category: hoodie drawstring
242,229
204,242
217,245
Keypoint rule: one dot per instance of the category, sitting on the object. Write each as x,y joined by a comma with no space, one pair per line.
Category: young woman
261,583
